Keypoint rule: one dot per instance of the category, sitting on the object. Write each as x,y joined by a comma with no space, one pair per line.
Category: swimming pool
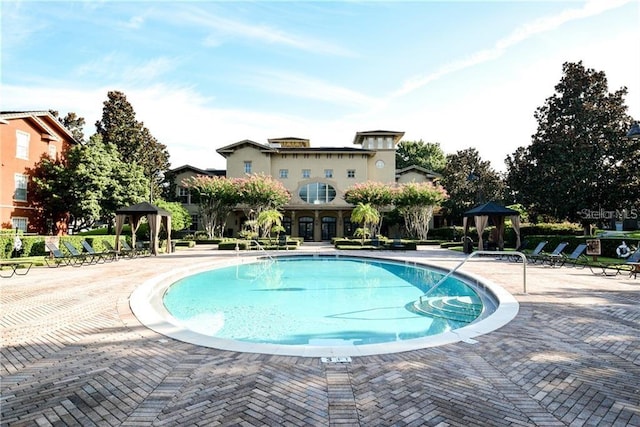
318,305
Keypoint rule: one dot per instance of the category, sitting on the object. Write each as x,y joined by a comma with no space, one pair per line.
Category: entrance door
305,227
328,227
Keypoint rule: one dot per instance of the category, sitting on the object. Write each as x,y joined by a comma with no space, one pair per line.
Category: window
351,173
284,173
52,150
194,223
183,195
19,223
317,193
20,187
22,145
306,173
247,166
328,173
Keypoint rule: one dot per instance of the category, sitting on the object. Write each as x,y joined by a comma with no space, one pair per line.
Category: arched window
317,193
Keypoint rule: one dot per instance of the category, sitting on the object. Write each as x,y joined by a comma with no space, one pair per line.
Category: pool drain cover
345,359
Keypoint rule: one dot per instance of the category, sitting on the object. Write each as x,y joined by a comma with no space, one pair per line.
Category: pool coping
146,304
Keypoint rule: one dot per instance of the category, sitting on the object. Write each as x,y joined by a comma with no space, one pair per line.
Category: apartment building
316,177
25,136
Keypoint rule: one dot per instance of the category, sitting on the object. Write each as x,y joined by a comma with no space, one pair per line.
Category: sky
201,75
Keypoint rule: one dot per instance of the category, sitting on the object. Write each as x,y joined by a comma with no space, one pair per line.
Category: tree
89,185
416,202
378,195
180,218
72,122
366,215
258,193
50,194
469,181
216,197
133,140
428,155
579,160
269,219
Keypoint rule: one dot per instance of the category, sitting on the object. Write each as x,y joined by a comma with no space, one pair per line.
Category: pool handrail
471,255
260,248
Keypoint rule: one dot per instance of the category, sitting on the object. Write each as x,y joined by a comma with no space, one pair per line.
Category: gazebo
155,217
494,214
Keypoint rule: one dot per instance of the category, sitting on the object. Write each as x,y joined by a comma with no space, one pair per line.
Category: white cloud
300,86
223,28
115,66
524,32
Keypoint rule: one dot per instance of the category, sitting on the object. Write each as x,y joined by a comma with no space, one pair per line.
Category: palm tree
267,220
366,215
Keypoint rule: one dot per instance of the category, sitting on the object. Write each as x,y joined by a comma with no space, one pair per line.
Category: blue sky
205,74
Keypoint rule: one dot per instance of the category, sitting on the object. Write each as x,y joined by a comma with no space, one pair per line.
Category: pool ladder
260,248
471,255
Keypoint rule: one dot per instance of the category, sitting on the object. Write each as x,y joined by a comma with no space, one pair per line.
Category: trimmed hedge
383,244
243,245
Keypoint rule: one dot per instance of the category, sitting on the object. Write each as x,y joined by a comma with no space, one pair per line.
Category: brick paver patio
74,354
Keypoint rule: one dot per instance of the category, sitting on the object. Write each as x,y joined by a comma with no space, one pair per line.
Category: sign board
593,247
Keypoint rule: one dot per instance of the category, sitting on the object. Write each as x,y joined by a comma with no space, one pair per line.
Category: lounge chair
549,258
632,265
575,258
14,267
80,257
142,248
130,253
56,258
536,251
521,248
100,257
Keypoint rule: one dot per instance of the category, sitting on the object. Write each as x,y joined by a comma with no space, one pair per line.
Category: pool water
314,301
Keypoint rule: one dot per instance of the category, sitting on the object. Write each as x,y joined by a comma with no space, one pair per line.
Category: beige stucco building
315,177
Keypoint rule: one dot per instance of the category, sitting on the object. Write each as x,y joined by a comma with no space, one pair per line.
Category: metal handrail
263,250
471,255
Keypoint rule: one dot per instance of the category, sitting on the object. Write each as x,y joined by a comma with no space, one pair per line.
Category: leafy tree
416,202
378,195
366,215
50,194
180,218
258,193
579,158
428,155
269,219
216,197
133,140
90,185
72,122
469,181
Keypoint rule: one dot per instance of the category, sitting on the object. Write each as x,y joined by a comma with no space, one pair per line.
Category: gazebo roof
142,209
491,208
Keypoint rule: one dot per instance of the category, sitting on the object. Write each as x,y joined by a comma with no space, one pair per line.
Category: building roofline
358,139
36,117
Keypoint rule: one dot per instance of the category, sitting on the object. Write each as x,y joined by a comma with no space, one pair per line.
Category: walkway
73,354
